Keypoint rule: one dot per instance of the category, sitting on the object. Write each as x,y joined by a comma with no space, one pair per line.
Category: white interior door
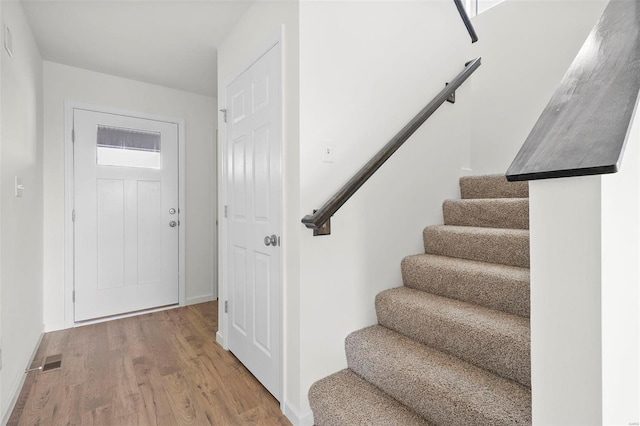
254,195
126,214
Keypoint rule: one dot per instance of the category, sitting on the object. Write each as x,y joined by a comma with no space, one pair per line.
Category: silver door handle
272,240
173,224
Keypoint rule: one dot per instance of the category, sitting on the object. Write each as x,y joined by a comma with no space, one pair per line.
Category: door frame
69,201
276,38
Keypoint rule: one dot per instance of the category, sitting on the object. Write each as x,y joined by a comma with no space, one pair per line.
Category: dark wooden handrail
466,20
321,216
584,128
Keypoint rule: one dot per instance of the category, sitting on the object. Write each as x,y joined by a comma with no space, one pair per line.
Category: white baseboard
17,387
199,299
54,327
220,338
296,418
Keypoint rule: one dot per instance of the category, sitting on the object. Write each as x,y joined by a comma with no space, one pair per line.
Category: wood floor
163,368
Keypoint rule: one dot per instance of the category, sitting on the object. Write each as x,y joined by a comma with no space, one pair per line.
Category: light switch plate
327,154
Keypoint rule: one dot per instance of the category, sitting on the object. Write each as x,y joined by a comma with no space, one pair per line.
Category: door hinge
73,135
73,216
226,211
226,306
73,296
224,115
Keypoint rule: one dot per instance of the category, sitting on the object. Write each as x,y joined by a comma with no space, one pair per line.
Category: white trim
59,325
214,210
199,299
17,388
69,107
269,42
220,340
127,315
182,212
69,202
283,227
297,418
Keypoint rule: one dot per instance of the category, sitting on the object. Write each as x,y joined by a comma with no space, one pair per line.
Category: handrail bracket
323,229
452,97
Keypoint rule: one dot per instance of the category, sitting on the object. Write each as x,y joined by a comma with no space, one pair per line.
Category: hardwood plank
21,403
155,329
156,402
129,405
68,407
98,416
41,399
185,407
163,368
117,335
99,369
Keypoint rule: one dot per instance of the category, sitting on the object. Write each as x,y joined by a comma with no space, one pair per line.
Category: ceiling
168,43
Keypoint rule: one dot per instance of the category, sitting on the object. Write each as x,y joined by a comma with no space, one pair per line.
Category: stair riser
508,248
498,213
503,288
494,186
346,399
453,345
503,351
445,391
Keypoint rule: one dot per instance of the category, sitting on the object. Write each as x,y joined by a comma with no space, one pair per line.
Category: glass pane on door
127,148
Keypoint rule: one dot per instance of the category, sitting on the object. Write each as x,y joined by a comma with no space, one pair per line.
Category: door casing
69,108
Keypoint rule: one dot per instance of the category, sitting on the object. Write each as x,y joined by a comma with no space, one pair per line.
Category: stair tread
344,398
493,245
510,213
500,287
487,338
492,186
440,387
453,344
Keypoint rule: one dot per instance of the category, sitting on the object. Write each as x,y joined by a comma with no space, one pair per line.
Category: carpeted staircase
452,346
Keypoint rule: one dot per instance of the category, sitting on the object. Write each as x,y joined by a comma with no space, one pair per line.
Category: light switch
327,154
19,187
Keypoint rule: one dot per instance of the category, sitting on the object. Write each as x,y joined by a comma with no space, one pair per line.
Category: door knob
172,211
271,240
173,224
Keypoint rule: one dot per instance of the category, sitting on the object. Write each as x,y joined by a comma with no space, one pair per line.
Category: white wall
263,22
366,68
585,301
21,218
620,290
526,47
64,83
566,355
1,62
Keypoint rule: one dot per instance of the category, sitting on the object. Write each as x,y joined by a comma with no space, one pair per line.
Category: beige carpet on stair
452,346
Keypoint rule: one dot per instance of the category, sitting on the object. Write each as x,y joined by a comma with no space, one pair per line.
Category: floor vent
52,362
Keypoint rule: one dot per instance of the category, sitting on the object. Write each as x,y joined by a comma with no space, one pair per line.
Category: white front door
126,214
254,195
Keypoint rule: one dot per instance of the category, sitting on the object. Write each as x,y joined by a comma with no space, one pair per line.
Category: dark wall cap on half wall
584,128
